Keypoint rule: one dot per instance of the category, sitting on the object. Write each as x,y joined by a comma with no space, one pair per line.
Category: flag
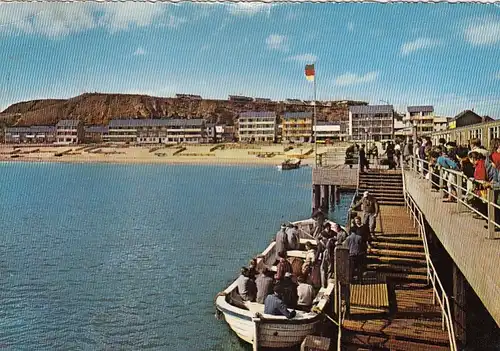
310,72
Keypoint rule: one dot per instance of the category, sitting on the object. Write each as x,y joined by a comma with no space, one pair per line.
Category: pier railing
439,294
478,197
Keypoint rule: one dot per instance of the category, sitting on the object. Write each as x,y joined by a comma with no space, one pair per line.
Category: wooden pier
327,183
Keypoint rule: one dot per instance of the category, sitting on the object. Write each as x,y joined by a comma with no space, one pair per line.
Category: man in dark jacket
357,251
275,306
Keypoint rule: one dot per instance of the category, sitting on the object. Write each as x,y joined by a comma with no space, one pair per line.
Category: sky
445,55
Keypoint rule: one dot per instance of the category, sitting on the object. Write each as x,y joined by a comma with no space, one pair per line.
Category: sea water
130,257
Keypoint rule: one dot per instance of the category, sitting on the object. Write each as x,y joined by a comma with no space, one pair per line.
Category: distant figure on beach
281,239
265,284
246,286
275,306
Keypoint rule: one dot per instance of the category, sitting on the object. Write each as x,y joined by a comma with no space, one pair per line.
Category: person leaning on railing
444,161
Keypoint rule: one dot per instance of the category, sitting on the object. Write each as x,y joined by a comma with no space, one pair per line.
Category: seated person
309,260
289,291
274,305
283,266
246,286
305,294
252,267
265,284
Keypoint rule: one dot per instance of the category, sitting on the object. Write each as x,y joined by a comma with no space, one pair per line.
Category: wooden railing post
441,181
491,213
460,193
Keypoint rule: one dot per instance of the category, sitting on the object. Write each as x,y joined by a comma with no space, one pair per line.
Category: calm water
128,257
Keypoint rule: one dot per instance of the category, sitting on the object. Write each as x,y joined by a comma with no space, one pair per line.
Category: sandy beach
226,154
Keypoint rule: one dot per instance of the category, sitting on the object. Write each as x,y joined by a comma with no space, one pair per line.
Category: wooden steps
370,342
396,268
378,244
396,253
396,260
402,238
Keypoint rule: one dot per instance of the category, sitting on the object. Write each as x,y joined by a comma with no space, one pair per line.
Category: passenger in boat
292,234
305,294
319,220
340,234
252,268
246,286
309,260
275,306
327,231
265,284
281,240
289,288
283,266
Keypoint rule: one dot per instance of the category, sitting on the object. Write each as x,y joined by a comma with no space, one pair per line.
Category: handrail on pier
455,180
432,277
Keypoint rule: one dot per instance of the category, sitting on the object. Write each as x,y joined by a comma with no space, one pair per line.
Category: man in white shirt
305,294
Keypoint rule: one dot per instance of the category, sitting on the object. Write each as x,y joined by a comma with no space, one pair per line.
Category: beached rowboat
253,326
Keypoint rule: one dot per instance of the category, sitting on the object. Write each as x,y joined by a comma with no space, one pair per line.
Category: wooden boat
290,164
250,323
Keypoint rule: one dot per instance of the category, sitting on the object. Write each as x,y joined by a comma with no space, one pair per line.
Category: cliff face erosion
98,109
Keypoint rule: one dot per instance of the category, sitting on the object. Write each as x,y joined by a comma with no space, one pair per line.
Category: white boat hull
273,331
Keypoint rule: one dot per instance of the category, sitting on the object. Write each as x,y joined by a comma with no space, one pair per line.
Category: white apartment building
257,127
69,131
326,131
420,119
371,122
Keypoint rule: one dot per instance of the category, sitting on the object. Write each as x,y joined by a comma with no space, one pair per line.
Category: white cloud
483,31
354,79
304,58
418,44
277,42
350,26
139,51
56,20
249,8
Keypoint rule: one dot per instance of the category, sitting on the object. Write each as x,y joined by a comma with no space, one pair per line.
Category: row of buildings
365,122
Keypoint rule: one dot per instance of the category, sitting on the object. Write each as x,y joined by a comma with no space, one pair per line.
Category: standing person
389,151
362,159
327,263
281,240
408,150
292,235
357,253
274,305
397,154
340,234
451,180
370,208
319,220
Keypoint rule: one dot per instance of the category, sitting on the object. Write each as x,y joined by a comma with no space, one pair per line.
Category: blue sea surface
130,257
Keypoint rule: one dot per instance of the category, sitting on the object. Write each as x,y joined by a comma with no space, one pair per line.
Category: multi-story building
32,135
157,131
96,134
297,127
257,127
327,131
420,119
371,122
69,131
440,123
211,132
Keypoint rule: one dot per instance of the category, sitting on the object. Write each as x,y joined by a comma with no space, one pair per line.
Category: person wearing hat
370,208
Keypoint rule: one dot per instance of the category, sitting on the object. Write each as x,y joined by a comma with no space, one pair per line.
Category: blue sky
446,55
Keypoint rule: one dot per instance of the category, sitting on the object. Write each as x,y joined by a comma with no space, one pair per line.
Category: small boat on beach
248,319
290,164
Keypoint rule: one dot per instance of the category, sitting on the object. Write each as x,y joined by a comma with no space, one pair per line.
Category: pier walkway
465,239
398,266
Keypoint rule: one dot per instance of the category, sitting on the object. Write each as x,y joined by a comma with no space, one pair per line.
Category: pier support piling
459,305
316,197
325,197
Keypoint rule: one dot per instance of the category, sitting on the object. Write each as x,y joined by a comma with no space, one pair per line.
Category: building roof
366,109
96,129
32,129
412,109
68,123
258,114
288,115
463,113
177,122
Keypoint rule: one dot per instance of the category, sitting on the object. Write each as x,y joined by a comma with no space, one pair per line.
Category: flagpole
314,124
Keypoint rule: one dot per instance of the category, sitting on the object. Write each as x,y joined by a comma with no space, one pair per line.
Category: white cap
365,194
288,274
